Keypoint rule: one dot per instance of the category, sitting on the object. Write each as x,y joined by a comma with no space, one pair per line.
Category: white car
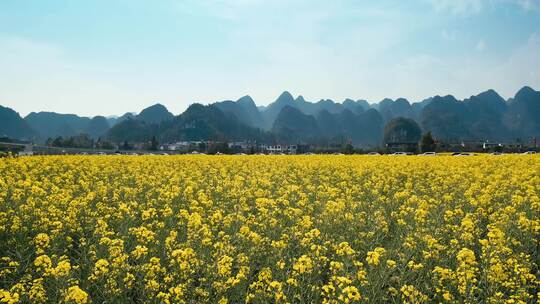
399,153
428,154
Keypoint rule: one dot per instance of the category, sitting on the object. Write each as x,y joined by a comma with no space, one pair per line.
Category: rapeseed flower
269,229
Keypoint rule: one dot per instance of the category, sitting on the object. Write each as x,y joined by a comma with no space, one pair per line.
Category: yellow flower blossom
269,229
390,263
8,298
304,264
43,263
76,295
62,269
374,256
41,241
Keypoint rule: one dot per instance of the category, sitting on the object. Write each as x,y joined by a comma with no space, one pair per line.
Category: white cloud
472,74
423,75
521,68
318,50
36,76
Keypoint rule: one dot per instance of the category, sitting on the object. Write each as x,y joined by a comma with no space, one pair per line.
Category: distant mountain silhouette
291,125
356,106
417,107
485,113
201,122
113,120
309,108
362,127
485,116
390,109
523,115
97,127
445,117
244,109
371,127
52,125
198,122
330,125
13,126
157,113
272,110
132,130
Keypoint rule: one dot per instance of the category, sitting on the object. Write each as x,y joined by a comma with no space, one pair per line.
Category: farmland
270,229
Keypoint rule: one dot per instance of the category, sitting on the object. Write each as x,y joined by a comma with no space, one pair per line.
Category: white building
277,149
177,146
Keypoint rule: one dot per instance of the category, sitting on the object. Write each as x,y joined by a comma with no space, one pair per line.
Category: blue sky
113,56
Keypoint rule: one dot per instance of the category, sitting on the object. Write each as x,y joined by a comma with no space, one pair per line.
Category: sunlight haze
112,57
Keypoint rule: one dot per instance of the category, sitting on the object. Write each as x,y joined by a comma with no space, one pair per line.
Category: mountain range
486,116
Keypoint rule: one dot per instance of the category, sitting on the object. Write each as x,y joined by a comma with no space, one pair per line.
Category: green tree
402,130
427,143
58,142
202,147
347,149
154,144
221,147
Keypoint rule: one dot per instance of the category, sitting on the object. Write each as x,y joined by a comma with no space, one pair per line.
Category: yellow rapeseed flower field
270,229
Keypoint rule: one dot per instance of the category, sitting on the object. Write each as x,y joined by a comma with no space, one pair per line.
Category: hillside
13,126
198,122
485,116
51,125
155,114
